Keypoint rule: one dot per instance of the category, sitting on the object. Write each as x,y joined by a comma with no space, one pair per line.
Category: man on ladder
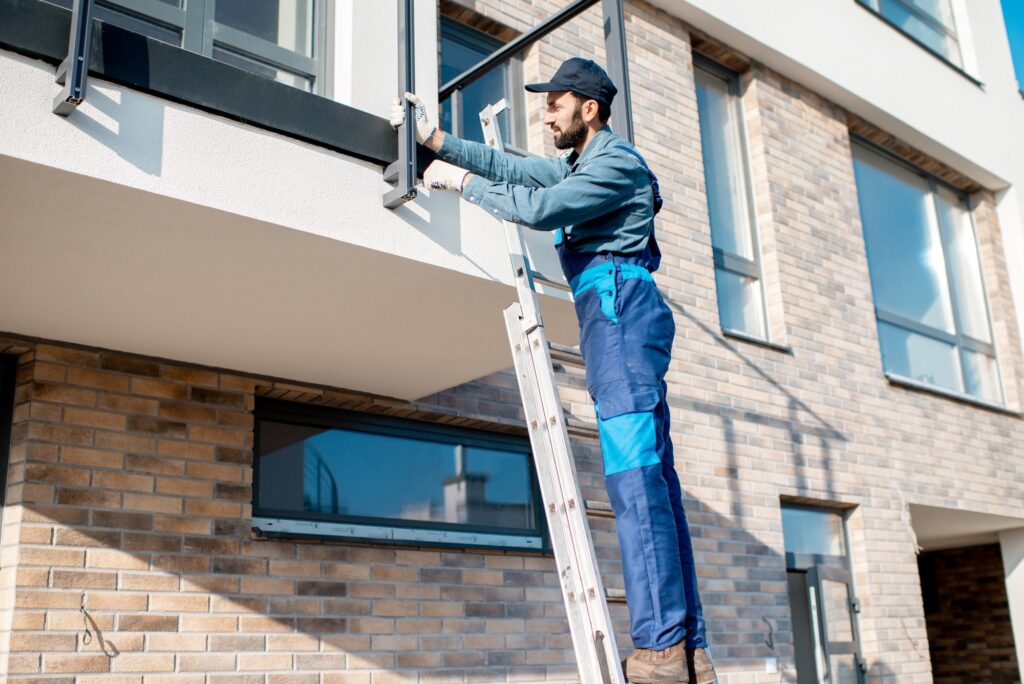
600,201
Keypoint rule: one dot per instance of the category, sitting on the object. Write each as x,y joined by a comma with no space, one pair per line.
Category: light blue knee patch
628,441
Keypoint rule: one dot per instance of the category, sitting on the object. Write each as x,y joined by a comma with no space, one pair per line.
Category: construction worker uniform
601,205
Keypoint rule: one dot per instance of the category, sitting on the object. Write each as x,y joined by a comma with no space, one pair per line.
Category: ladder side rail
570,582
570,494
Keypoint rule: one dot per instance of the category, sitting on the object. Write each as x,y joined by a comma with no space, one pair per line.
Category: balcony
172,226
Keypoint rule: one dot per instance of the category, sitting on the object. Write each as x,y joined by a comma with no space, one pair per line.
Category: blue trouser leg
645,521
696,635
626,333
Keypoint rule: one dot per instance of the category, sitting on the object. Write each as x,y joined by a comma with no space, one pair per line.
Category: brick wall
129,493
130,477
969,633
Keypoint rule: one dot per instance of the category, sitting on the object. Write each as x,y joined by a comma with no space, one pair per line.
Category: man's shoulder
619,154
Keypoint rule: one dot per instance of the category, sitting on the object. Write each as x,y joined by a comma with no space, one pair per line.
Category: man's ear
590,108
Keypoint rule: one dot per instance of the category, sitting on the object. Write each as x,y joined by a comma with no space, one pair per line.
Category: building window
930,302
461,48
8,369
928,22
821,598
279,39
730,203
330,473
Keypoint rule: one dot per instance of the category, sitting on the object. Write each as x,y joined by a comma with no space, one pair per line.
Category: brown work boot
644,666
699,666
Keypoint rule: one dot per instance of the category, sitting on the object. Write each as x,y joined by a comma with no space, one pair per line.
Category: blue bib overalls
626,333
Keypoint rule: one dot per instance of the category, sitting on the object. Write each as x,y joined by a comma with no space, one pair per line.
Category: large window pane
263,69
461,48
119,14
908,274
918,357
288,23
737,272
981,376
940,10
933,37
844,669
739,303
962,253
724,167
372,475
271,38
933,323
835,602
811,531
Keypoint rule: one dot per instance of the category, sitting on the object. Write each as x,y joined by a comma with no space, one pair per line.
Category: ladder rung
580,428
599,509
570,356
615,595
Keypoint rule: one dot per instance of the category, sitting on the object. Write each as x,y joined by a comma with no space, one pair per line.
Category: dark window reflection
347,472
461,48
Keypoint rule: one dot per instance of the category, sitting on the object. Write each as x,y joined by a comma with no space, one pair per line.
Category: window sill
291,528
737,335
40,30
937,55
901,381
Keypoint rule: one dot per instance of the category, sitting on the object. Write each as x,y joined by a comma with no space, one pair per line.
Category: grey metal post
615,51
74,70
405,168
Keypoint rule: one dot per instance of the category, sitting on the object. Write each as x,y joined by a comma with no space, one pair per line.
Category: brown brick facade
130,478
970,638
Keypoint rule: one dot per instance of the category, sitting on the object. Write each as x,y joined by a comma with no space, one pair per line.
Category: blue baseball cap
583,76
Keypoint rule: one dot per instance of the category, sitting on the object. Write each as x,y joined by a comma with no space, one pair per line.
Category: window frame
200,33
869,5
958,339
513,78
347,528
734,263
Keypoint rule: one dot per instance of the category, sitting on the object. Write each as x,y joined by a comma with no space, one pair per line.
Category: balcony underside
91,262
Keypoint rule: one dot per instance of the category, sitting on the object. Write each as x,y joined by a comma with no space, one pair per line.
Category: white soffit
943,528
86,261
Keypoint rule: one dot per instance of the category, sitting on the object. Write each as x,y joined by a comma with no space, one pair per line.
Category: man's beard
575,134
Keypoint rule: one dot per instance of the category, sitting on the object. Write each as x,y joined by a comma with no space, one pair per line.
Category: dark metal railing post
74,70
404,170
615,50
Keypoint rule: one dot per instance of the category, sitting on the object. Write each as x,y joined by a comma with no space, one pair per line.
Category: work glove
441,175
424,129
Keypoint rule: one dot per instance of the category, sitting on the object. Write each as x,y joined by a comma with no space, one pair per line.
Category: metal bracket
74,70
403,171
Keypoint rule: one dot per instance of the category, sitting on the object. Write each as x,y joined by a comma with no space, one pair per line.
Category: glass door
833,606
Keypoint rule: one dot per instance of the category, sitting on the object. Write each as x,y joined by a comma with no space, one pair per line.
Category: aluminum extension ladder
586,603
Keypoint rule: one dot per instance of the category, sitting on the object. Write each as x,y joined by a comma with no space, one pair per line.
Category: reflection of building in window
929,22
465,499
461,48
930,301
383,472
738,280
278,39
320,487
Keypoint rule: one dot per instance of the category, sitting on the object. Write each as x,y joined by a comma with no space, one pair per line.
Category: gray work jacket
602,198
